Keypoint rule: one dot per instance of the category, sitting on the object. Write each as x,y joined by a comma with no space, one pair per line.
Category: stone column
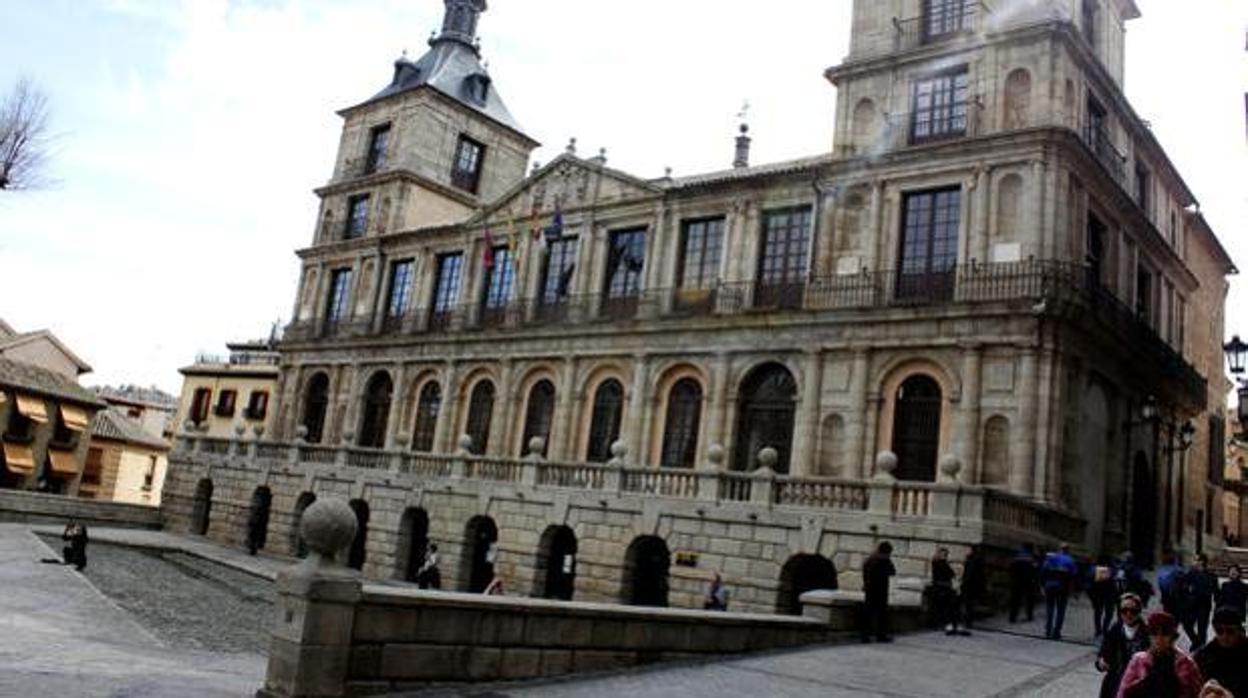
718,402
872,402
1035,244
806,424
395,418
637,406
310,650
877,226
501,416
966,439
444,439
856,451
983,228
569,399
1026,475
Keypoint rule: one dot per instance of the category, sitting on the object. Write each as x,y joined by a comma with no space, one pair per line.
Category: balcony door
784,258
929,245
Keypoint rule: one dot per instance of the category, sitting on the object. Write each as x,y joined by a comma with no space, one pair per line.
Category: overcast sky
192,133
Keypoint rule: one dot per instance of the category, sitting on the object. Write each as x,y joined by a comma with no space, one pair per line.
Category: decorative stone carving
301,433
465,444
950,466
768,457
536,445
885,466
715,454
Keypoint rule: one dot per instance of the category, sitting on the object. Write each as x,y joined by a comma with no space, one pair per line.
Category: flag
554,231
535,229
487,255
513,242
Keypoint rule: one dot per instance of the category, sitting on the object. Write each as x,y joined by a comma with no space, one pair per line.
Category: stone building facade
221,395
995,273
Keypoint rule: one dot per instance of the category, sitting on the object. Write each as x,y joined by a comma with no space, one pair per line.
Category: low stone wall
406,639
38,508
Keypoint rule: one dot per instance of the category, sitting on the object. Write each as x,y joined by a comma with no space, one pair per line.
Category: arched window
316,403
376,411
765,412
539,415
1017,99
480,412
680,427
428,407
916,428
864,125
604,425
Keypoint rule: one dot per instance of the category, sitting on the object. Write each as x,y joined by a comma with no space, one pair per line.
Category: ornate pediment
567,183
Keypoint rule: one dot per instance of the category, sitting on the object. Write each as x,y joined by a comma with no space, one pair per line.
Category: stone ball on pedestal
328,526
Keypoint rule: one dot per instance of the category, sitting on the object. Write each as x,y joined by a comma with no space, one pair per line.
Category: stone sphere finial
240,429
188,426
301,432
348,437
401,441
768,457
536,445
715,454
258,430
619,449
950,466
465,443
885,465
328,526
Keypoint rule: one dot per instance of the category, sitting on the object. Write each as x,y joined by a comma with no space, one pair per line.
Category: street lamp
1236,353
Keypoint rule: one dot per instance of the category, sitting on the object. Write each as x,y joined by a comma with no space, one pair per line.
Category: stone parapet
35,507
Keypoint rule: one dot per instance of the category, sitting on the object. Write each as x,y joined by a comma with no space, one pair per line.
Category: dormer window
379,140
477,88
466,171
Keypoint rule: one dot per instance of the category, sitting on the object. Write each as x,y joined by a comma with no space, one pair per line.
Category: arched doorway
359,546
376,417
803,573
258,519
556,564
480,553
201,507
413,543
298,546
316,403
765,409
916,428
646,565
1143,511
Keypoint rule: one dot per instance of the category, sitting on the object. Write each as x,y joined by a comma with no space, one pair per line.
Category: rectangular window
21,429
557,275
400,288
500,280
1096,251
626,258
1217,450
929,244
339,291
357,217
150,475
379,140
783,258
1144,295
940,106
1097,135
701,248
62,435
225,403
1143,188
944,17
466,172
92,467
446,290
258,405
200,405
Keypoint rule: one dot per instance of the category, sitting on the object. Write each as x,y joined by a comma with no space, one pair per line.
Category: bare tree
24,137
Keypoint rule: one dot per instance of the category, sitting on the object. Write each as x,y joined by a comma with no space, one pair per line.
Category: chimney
742,158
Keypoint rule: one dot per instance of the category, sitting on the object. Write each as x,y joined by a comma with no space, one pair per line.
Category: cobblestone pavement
59,636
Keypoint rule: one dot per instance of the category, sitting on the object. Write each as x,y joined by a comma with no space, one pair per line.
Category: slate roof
738,173
113,424
33,379
27,337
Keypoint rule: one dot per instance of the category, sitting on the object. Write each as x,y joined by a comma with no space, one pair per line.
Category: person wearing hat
1164,670
1125,638
1225,658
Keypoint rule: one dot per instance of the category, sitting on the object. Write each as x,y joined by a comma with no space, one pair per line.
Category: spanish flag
487,255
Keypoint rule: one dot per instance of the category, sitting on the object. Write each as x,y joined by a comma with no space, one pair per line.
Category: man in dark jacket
1234,591
75,552
1199,588
974,585
1023,583
1225,658
943,595
877,571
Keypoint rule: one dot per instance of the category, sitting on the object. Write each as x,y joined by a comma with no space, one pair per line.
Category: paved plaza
60,635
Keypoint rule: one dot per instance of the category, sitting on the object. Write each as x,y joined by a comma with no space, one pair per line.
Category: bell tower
460,22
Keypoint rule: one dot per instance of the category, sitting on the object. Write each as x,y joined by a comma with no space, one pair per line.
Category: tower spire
460,22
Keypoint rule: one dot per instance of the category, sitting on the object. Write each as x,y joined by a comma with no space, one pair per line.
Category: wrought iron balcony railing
951,23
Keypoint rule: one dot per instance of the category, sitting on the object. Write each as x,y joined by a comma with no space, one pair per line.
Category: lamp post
1179,438
1236,356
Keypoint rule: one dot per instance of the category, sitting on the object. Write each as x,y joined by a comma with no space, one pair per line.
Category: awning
32,408
63,463
19,459
75,418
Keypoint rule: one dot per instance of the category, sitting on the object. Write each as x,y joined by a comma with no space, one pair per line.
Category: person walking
1164,670
1057,573
1170,584
429,576
1225,658
877,572
75,550
1125,637
974,585
944,596
717,595
1023,583
1234,591
1101,592
1199,588
1130,580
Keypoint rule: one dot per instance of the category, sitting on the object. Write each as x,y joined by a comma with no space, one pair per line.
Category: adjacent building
222,394
125,462
153,408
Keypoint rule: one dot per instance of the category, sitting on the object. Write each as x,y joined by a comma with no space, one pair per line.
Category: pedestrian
1023,583
944,596
1225,658
1234,591
1170,584
1131,580
1164,670
1199,588
717,595
1057,574
256,520
974,584
75,550
1124,638
1101,592
877,571
429,576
